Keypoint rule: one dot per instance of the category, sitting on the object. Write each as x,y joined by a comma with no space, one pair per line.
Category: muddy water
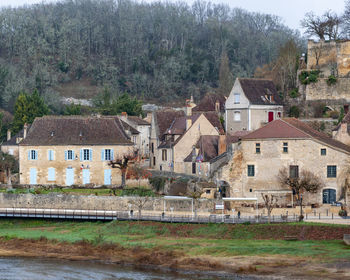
49,269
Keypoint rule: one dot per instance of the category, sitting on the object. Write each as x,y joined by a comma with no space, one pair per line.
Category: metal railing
74,214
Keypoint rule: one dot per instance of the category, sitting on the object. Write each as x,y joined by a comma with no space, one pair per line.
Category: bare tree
195,194
138,172
139,203
270,202
122,164
323,26
306,182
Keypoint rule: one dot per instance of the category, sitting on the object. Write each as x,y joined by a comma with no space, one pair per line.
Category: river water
50,269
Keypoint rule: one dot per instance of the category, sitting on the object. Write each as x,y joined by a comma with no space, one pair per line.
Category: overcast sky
290,11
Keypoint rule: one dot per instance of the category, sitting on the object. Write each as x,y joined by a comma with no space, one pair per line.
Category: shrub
157,182
343,213
307,77
137,192
319,109
294,93
331,80
334,114
294,111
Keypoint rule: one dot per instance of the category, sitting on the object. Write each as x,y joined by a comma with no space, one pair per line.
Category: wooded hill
158,52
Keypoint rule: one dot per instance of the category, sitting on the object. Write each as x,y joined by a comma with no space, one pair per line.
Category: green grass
199,240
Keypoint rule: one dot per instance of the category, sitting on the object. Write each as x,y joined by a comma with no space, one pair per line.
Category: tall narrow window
193,168
108,154
152,147
323,152
237,98
86,154
164,155
251,170
50,154
237,116
331,171
294,171
32,155
257,148
285,147
69,155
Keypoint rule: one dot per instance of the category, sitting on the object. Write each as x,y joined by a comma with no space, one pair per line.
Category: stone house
342,131
143,127
72,150
287,143
161,121
251,104
179,138
205,152
11,145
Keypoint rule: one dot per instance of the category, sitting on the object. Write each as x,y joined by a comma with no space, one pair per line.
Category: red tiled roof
293,129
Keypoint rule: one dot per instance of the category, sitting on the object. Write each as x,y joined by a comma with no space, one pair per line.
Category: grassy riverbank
250,248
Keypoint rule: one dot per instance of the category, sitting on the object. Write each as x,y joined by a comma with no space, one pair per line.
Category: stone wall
63,201
322,91
304,153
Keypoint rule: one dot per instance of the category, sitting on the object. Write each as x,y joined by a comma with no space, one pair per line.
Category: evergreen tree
225,76
27,108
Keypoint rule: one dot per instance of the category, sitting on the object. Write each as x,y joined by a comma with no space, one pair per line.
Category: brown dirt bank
239,231
293,267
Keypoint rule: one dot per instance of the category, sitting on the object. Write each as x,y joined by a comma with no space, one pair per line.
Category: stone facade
331,58
95,170
243,114
304,153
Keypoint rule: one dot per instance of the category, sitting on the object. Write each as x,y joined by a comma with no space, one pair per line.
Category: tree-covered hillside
158,52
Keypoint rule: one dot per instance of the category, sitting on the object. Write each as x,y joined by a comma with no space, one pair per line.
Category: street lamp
301,208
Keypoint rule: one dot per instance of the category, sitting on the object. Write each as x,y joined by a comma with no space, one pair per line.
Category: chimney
188,110
222,144
148,117
25,128
346,108
217,106
188,123
8,135
124,116
344,128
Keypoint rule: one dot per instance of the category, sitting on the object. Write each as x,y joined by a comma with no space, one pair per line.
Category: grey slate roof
256,90
76,130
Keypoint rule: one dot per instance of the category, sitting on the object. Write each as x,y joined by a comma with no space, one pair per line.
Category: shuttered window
50,155
51,174
32,155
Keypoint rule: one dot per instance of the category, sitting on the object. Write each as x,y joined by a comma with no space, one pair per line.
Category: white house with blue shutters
73,150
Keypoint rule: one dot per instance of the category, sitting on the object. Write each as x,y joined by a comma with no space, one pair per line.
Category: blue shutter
73,155
81,154
29,155
112,154
103,154
65,155
36,155
90,154
51,174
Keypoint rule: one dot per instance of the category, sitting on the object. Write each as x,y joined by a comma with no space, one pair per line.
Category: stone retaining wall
91,202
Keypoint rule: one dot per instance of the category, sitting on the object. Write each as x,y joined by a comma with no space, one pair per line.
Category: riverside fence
73,214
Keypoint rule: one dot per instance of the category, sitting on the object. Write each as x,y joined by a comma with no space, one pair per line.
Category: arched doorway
329,196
